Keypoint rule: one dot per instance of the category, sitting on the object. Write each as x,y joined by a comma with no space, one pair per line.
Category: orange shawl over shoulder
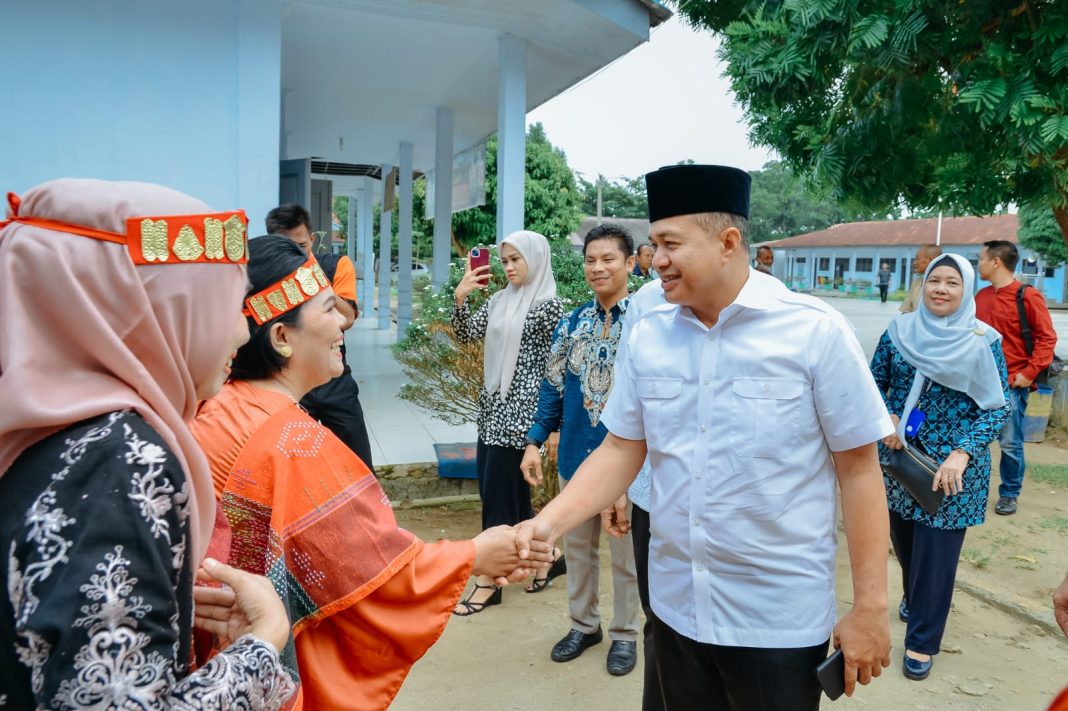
366,599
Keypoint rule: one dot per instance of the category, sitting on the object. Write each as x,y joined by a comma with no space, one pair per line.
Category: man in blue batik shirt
576,388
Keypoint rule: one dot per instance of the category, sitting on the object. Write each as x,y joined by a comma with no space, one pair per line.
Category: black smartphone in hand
831,675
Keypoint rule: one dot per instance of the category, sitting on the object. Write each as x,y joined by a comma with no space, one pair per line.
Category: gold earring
285,351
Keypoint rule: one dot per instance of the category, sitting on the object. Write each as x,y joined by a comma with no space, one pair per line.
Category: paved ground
499,659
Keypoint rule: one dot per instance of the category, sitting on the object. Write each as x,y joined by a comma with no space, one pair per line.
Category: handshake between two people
234,603
499,555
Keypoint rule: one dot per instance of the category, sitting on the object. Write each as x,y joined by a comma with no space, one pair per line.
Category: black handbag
915,471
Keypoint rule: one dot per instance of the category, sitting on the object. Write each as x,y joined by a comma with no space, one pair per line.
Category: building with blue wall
847,256
248,103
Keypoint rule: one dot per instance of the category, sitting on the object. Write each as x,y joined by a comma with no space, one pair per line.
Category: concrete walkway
401,433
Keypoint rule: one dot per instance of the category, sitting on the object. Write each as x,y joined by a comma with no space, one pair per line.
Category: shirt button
703,428
699,475
708,380
697,523
766,387
700,568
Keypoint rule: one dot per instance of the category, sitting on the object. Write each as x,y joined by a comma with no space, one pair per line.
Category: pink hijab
84,332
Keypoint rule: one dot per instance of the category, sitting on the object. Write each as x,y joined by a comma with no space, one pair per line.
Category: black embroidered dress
97,608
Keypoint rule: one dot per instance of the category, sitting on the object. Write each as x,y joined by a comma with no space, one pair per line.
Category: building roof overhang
360,76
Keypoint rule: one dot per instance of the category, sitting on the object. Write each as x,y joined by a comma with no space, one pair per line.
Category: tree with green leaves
783,205
1039,231
619,198
552,202
959,105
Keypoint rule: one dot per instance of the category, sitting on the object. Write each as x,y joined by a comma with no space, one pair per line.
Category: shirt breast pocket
660,409
765,416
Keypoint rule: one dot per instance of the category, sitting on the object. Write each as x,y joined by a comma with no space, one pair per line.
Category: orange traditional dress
366,599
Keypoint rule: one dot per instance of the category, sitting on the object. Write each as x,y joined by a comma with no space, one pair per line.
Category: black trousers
928,558
336,405
883,288
504,492
652,697
708,676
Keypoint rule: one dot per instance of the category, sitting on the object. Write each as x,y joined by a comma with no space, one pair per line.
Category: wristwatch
536,443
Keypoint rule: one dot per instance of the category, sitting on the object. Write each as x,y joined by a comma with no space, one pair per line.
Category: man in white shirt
752,402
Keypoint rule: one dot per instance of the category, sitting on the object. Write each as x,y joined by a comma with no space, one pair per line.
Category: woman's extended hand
497,555
472,280
950,476
891,441
248,605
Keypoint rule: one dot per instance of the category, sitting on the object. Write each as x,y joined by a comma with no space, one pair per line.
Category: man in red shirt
997,306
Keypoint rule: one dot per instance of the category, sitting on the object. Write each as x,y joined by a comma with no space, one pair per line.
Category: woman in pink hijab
119,313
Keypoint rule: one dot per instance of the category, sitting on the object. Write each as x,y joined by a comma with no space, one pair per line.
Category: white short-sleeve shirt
740,421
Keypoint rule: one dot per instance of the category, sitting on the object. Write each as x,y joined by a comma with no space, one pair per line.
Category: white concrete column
404,242
385,247
366,267
511,134
443,151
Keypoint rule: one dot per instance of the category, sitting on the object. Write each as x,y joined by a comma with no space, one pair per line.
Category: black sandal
471,608
558,568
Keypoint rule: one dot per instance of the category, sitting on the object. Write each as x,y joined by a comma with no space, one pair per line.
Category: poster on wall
468,180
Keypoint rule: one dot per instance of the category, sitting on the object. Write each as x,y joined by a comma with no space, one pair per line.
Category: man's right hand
531,465
529,533
497,555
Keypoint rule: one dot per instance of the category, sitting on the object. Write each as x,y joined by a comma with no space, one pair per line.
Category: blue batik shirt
578,382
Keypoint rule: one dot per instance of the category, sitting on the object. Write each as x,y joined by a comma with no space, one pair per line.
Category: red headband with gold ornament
288,293
210,238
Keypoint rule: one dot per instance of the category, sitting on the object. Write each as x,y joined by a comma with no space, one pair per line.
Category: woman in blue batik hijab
941,370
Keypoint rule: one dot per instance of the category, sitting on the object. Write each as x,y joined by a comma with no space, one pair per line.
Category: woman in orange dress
366,598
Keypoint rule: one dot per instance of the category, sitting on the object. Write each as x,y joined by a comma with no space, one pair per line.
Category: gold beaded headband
288,293
211,238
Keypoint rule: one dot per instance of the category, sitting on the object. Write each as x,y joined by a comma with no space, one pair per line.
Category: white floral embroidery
118,664
44,524
151,490
114,667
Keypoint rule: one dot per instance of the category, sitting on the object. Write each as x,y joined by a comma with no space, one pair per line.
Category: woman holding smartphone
517,324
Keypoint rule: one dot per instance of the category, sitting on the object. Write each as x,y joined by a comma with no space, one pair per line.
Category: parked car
419,269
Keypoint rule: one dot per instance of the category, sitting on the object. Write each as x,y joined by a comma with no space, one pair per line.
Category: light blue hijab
954,350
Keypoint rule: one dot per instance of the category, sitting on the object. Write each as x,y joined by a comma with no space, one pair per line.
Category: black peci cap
693,189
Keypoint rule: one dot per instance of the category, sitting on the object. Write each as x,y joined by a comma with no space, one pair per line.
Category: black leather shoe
622,656
574,644
1006,506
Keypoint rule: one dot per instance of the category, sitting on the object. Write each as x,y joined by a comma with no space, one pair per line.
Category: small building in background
847,256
